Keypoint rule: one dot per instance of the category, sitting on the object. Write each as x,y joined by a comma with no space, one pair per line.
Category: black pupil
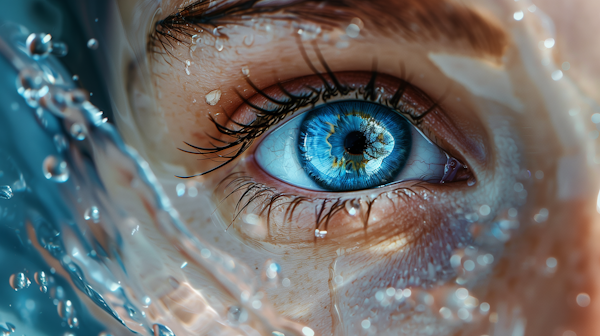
355,143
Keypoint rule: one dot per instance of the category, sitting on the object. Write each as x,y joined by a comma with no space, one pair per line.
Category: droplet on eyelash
249,40
213,97
353,207
246,71
320,233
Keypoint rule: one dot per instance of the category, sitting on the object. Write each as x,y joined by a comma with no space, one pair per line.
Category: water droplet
272,271
161,330
187,67
92,44
60,142
19,281
236,315
213,97
29,79
320,233
352,207
92,213
66,310
75,98
308,331
6,192
55,169
219,44
518,16
353,30
471,181
246,71
249,40
59,49
39,45
77,131
75,77
40,278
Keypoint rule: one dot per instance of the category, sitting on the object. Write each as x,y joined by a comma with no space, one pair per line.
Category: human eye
352,144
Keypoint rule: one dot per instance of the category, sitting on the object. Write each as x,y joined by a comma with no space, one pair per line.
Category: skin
498,144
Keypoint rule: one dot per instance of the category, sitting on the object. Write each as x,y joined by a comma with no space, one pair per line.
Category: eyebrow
412,20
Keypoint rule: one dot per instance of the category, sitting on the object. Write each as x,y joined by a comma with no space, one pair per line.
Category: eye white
277,154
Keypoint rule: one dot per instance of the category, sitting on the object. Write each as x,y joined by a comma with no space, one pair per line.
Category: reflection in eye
349,145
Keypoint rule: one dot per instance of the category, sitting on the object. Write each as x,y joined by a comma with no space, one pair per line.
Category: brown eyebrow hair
412,20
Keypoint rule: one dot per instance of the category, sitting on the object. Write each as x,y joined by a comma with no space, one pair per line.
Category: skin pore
501,147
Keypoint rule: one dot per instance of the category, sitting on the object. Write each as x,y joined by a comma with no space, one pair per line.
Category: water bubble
65,309
92,44
77,131
219,44
249,40
39,45
162,330
6,192
557,75
59,49
29,79
365,324
180,189
213,97
272,270
19,281
55,169
583,300
60,142
40,278
484,210
75,98
92,213
518,16
236,315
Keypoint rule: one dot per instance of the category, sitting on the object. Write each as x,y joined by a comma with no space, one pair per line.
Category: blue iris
353,145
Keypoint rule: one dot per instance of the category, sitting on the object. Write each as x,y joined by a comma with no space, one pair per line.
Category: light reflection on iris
353,145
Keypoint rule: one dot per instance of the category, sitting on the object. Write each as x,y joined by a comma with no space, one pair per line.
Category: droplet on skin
213,97
246,71
219,44
249,40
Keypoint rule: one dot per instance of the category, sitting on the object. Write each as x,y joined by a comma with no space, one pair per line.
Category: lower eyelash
265,199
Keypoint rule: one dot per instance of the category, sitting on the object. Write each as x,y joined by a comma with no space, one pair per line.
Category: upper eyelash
265,119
